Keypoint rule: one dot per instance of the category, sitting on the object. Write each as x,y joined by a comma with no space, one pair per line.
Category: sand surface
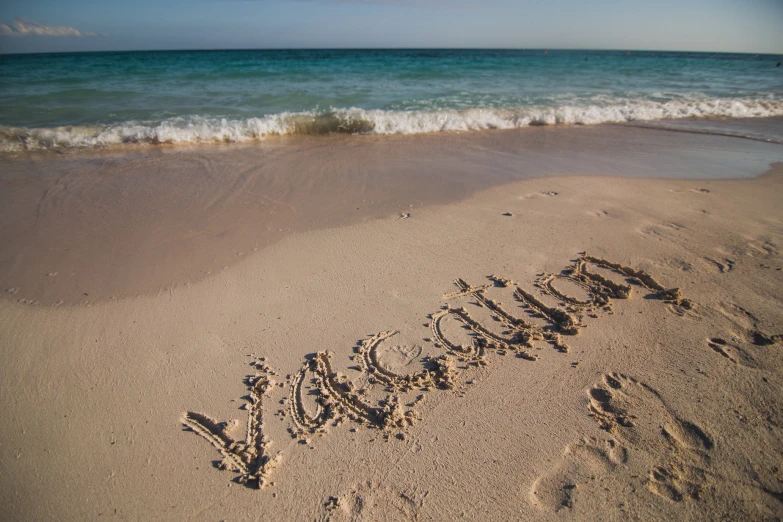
762,129
91,227
569,386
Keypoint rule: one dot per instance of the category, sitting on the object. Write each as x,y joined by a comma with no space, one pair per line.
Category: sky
98,25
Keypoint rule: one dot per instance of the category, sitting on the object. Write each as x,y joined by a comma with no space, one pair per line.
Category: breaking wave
199,129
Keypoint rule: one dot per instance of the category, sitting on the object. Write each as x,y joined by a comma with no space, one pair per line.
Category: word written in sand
338,398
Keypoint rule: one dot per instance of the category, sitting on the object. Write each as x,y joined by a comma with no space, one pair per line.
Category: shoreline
114,225
326,126
128,370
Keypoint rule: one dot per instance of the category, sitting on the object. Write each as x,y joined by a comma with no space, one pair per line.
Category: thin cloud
22,27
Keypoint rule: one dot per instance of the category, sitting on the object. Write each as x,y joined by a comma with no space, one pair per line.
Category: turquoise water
102,99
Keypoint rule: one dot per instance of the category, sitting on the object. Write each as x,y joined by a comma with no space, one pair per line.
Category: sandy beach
424,328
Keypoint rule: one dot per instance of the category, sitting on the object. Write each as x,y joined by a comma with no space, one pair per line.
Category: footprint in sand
597,213
723,265
397,357
743,342
372,500
666,232
697,190
749,246
744,352
761,247
646,435
582,463
722,347
539,194
639,418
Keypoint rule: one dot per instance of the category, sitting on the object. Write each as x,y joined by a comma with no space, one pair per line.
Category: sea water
93,100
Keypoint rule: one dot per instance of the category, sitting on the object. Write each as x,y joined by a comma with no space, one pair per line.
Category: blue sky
87,25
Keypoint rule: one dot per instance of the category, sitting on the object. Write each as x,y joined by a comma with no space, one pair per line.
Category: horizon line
224,49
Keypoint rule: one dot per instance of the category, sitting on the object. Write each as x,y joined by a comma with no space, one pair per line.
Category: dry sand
594,393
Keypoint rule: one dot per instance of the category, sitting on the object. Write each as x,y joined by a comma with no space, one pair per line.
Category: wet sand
561,347
762,129
86,227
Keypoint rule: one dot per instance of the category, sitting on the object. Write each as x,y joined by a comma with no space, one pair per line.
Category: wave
199,129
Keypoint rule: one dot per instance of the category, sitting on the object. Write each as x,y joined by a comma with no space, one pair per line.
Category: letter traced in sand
249,458
337,398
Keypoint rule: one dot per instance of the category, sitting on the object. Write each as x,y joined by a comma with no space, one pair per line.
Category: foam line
201,129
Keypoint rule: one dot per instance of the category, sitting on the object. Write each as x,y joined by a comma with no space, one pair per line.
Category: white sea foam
198,129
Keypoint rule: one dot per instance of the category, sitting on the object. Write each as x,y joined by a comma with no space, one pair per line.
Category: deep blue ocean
92,100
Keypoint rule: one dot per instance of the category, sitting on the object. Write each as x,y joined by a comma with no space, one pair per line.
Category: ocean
97,100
